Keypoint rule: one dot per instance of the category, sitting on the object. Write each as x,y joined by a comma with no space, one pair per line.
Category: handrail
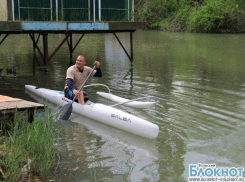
98,84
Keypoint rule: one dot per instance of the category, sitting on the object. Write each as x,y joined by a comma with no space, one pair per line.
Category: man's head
80,62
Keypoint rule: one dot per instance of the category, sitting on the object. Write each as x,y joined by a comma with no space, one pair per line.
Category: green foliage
208,18
179,19
193,15
214,16
33,141
150,11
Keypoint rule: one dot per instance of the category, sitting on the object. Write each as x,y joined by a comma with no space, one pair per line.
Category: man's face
80,62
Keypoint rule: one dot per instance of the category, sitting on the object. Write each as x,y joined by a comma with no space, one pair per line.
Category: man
76,75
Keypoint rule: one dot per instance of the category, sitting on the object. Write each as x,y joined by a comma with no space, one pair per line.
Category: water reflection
109,151
90,150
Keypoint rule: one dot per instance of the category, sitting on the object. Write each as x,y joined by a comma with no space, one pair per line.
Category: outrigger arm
121,103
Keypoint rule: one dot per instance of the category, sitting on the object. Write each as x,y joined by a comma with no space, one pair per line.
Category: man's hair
82,56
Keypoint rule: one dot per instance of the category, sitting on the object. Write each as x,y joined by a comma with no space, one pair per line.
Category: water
198,81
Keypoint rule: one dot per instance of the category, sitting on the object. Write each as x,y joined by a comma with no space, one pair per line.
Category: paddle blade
66,111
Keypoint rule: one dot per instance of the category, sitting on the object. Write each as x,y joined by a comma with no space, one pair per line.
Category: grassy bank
27,148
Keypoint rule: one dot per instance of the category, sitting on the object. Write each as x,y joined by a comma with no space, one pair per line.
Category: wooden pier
9,105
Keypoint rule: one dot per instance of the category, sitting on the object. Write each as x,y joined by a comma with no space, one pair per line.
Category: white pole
99,10
62,14
99,1
51,9
132,10
88,10
128,10
57,18
13,17
94,9
19,8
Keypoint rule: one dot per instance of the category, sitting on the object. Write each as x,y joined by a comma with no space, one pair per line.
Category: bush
193,15
150,11
211,16
208,18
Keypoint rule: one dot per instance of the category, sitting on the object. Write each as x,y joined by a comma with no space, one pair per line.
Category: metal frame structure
46,57
67,29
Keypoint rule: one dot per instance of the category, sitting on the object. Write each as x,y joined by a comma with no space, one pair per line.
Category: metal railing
100,9
19,8
62,9
116,9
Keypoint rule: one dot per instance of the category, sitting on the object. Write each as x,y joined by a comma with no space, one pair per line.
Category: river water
198,81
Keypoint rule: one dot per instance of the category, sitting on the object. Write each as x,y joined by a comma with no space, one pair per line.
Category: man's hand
76,92
97,63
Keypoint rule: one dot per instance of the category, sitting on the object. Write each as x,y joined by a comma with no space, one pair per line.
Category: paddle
67,109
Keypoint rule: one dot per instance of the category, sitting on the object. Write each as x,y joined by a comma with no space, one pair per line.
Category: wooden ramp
9,105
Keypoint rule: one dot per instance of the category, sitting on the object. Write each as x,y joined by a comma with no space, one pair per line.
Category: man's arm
98,72
69,82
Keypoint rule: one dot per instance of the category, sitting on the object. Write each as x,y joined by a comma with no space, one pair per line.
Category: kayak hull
102,113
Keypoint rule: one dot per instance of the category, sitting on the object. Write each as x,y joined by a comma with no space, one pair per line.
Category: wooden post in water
34,52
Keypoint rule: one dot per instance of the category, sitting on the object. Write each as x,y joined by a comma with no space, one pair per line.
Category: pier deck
9,105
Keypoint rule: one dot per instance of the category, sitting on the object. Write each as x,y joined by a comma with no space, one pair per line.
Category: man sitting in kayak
76,75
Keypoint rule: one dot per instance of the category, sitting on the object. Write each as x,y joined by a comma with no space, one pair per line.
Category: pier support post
1,41
34,51
30,115
71,49
131,48
35,47
45,50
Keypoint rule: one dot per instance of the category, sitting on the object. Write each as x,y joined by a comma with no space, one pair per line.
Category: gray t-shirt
77,76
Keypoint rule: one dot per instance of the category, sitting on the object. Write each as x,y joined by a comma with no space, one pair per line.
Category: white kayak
102,113
127,102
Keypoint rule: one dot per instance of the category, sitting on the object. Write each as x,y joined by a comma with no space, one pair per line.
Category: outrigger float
103,113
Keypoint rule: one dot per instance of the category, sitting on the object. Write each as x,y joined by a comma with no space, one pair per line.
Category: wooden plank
29,104
2,107
9,104
19,104
7,99
6,111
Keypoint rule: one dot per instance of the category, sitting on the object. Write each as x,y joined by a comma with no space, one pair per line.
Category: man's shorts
69,94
